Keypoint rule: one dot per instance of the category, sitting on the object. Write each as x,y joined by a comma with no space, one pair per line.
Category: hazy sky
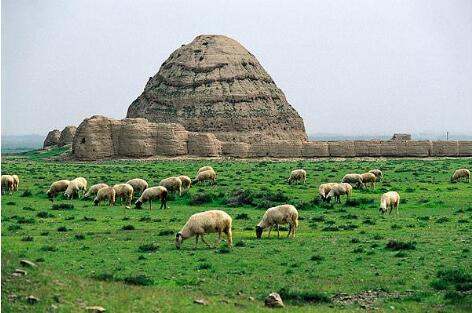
348,67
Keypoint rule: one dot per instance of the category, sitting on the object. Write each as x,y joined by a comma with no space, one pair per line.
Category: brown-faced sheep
138,184
172,184
378,173
338,190
105,193
459,174
200,224
57,187
353,179
297,176
94,189
324,190
279,215
16,182
124,192
208,175
369,178
8,184
152,193
186,182
389,201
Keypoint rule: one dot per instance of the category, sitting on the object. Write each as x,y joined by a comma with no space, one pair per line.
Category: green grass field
126,260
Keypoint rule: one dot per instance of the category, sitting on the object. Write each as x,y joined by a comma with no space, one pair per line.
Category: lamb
105,193
200,224
208,175
338,190
377,173
152,193
297,175
16,182
282,214
8,184
353,179
205,168
138,184
94,189
186,182
172,184
324,190
461,173
57,186
369,178
389,201
124,192
75,186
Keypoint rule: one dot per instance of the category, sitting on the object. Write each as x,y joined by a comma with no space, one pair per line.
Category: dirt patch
367,299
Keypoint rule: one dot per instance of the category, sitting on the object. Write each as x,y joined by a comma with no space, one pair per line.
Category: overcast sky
348,67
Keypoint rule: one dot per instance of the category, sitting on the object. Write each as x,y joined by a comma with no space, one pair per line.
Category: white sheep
124,192
324,190
57,186
105,193
200,224
8,184
16,182
378,173
338,190
353,179
461,173
205,168
138,184
94,189
369,178
158,192
282,214
186,182
208,175
75,186
172,184
389,201
297,175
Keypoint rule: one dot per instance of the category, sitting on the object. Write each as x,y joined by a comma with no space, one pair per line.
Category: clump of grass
239,198
400,245
149,247
49,248
25,220
89,219
442,220
44,214
457,279
62,206
62,229
317,258
79,236
128,227
395,226
104,277
138,280
242,216
240,243
302,296
201,198
14,227
204,266
28,208
27,193
368,221
223,249
10,203
27,238
166,232
330,228
359,202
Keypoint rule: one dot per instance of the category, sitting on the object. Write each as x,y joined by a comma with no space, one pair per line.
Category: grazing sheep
353,179
282,214
105,193
389,201
186,182
16,182
138,184
377,173
94,189
369,178
297,175
8,184
205,168
208,175
124,192
324,190
152,193
57,186
74,187
338,190
461,173
200,224
172,184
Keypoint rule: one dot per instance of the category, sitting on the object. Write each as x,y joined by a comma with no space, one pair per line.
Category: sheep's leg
206,242
218,241
278,231
229,235
150,204
270,229
289,230
196,241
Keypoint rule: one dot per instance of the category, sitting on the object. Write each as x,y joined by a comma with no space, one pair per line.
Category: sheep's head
259,232
138,204
178,240
50,194
382,210
328,199
95,201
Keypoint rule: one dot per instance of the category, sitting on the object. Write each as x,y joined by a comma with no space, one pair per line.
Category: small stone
27,263
95,309
392,307
274,300
200,301
52,308
19,272
32,299
251,299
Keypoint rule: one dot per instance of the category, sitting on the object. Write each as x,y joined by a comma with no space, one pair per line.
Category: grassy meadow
345,257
